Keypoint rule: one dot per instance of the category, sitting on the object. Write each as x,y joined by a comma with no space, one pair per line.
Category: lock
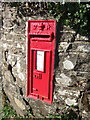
40,59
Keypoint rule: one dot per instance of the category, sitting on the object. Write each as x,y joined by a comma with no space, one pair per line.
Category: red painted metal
40,59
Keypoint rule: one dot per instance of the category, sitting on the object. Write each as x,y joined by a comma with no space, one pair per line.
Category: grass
8,112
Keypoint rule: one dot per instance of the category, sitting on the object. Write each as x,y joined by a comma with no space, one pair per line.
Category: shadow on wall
59,28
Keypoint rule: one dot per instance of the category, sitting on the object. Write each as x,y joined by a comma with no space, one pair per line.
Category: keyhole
35,76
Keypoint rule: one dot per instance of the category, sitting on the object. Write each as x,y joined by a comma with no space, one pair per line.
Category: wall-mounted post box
40,59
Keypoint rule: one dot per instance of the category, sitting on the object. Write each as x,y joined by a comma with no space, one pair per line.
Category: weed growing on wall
8,112
76,15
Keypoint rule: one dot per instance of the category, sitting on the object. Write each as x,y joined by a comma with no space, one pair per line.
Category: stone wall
72,80
1,60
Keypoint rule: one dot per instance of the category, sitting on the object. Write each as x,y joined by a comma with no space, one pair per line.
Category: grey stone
70,102
62,92
63,46
67,64
84,48
64,80
19,103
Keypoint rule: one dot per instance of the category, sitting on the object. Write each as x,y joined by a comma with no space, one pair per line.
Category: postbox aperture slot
39,36
42,37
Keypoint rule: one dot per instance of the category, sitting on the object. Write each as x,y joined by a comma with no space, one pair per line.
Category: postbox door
41,73
40,59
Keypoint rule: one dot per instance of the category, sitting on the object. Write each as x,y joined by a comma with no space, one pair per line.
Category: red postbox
40,59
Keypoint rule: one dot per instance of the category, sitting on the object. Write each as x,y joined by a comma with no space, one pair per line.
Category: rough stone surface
67,64
1,113
72,63
63,79
70,102
19,104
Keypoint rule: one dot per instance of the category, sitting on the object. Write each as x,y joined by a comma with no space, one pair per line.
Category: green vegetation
69,115
74,14
8,112
52,116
